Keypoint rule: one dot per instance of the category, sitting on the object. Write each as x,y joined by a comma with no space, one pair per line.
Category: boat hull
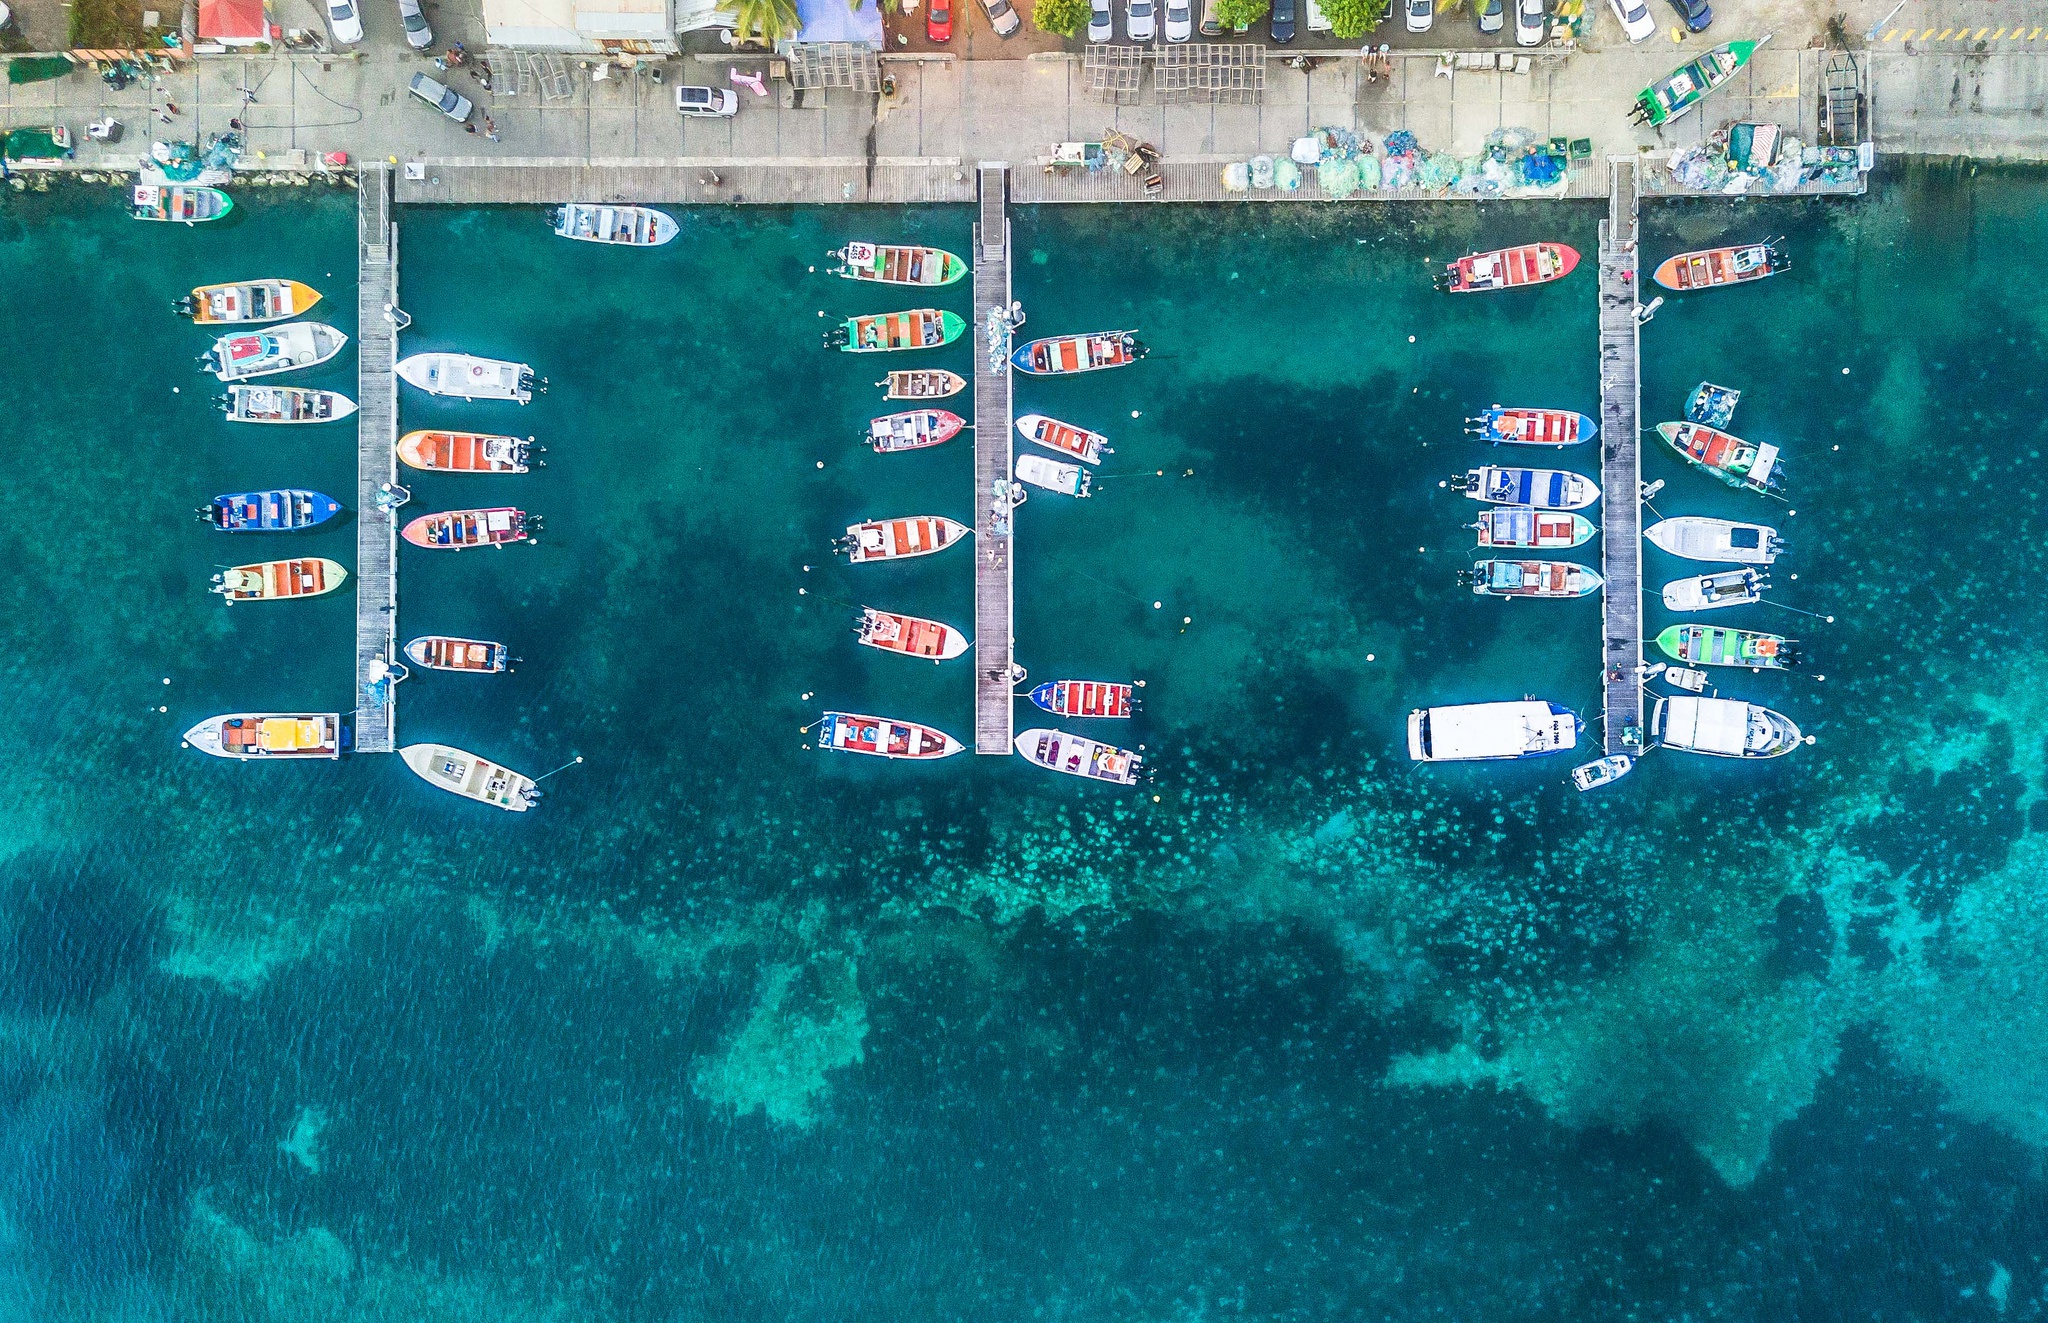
270,736
183,203
1740,464
283,510
1711,268
1063,355
1491,732
464,452
1525,526
467,377
1602,771
1052,476
923,384
1554,428
1519,267
279,580
889,332
899,539
1722,728
1075,442
1715,645
1544,489
459,530
1549,579
286,406
1085,698
287,348
1678,92
443,652
248,302
913,430
880,737
1711,592
626,227
462,773
909,636
898,264
1695,537
1077,755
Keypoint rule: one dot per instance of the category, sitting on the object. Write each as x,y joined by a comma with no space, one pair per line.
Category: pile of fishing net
1438,171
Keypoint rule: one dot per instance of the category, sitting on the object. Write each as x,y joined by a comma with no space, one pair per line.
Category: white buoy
1157,605
1411,339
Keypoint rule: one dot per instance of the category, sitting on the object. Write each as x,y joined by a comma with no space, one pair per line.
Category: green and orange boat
1677,92
1714,645
1737,462
898,264
918,328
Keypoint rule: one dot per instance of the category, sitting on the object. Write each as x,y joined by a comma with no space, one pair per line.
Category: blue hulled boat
278,511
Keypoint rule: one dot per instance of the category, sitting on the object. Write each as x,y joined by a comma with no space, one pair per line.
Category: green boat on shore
180,202
1712,645
919,328
1686,86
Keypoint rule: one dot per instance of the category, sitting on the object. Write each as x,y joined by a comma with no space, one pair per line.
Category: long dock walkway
1621,465
994,537
376,466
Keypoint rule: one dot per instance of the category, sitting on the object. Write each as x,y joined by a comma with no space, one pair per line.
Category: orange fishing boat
1720,266
913,636
898,539
275,580
1508,268
1084,445
458,530
464,452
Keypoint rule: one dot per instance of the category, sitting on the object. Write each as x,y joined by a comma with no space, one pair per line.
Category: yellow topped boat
247,302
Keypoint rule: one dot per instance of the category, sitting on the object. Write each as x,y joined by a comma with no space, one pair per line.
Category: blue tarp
831,20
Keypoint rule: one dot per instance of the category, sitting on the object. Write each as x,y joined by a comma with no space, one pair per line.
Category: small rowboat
913,430
1720,266
923,384
1722,727
918,328
285,404
1547,489
1531,427
1714,645
880,737
1737,462
458,530
913,636
1698,538
1525,526
1077,755
439,652
634,227
282,510
1085,698
1532,578
1053,476
1088,447
247,301
280,349
467,377
276,580
1059,355
899,539
897,264
1602,771
180,202
1686,86
262,736
462,773
1508,268
464,452
1710,592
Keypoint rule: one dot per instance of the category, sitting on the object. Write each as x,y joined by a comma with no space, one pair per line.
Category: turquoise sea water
730,1028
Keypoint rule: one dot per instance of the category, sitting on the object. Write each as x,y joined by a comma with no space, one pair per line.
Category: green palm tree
774,20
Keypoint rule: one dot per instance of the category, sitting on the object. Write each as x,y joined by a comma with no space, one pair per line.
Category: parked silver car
1001,17
1418,15
1493,15
1529,22
449,102
1180,20
1101,23
417,34
707,102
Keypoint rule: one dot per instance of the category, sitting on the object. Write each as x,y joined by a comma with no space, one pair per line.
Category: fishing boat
899,539
1532,578
1086,446
462,773
1602,771
1077,755
260,736
1686,86
285,348
1063,354
1710,592
1713,645
596,222
247,301
1681,677
913,636
897,264
1712,405
1526,526
1085,698
467,377
879,737
1737,462
1531,427
1546,489
1487,732
277,580
1508,268
877,333
1722,727
1053,476
458,530
1698,538
464,452
180,202
440,652
282,510
913,430
284,404
922,384
1720,266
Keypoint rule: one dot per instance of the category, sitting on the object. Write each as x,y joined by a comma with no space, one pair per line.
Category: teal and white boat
1686,86
1715,645
180,202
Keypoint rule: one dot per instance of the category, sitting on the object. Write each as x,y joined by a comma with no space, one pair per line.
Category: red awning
231,20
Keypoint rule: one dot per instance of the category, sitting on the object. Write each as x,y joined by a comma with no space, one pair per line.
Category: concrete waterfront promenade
376,467
1621,466
995,540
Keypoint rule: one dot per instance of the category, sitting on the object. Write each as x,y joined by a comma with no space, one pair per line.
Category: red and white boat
1084,445
1532,427
1526,526
1077,755
879,737
1084,698
464,452
443,652
458,530
1720,266
913,636
1508,268
1061,354
899,539
913,430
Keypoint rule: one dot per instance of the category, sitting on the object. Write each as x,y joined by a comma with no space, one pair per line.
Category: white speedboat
285,348
467,377
1053,476
899,539
1077,755
285,404
465,774
1546,489
1722,727
1708,592
1698,538
633,227
261,736
1484,732
1602,771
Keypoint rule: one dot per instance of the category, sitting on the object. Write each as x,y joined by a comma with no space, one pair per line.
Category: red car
938,21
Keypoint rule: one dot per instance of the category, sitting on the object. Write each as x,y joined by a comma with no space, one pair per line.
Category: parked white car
1529,22
1101,23
1635,19
1180,20
346,20
707,102
417,34
1419,14
444,99
1140,21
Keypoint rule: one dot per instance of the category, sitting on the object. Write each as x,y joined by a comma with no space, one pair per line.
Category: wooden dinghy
1085,698
897,264
284,404
1532,578
1531,427
1546,489
1508,268
913,636
464,452
467,377
263,736
881,737
899,539
1084,445
877,333
460,772
1737,462
247,301
913,430
1710,267
458,530
1526,526
441,652
280,510
632,227
923,384
278,580
1077,755
280,349
1060,355
180,202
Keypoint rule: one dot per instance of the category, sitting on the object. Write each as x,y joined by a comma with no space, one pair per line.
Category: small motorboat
252,736
1547,489
467,377
458,530
1714,645
440,652
1086,446
278,580
1526,526
917,328
1708,592
464,452
285,404
1531,427
1602,771
1508,268
281,510
280,349
180,202
595,222
461,773
879,737
1683,88
897,264
247,301
1063,354
1077,755
913,636
913,430
1712,405
1085,698
1680,677
1737,462
1720,266
1722,727
1531,578
899,539
1053,476
923,384
1487,732
1696,537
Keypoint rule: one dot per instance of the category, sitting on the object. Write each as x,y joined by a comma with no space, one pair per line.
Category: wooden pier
376,467
1621,465
994,536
